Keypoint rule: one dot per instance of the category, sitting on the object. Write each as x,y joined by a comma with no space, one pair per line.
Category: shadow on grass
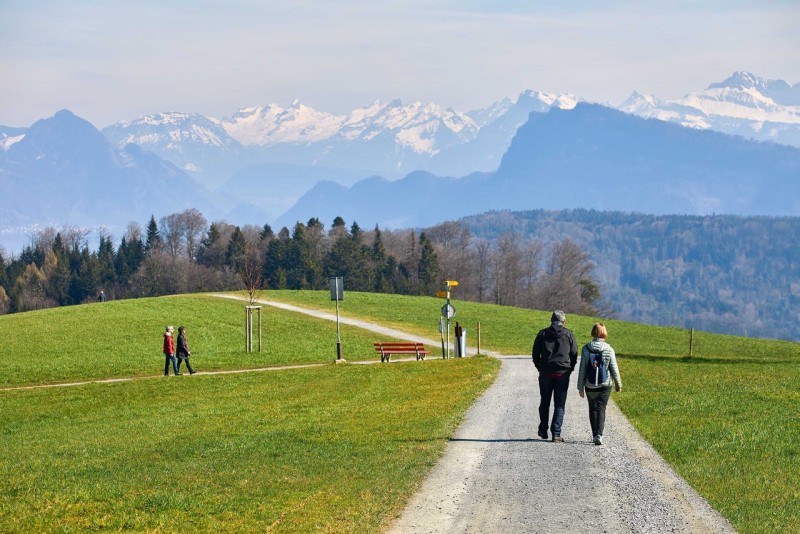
706,359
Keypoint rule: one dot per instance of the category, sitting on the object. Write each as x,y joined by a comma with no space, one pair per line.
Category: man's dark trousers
554,387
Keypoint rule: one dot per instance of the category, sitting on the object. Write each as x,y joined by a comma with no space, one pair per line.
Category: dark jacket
555,351
183,348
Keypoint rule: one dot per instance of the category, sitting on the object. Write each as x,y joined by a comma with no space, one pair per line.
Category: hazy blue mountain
597,157
499,124
392,204
592,157
275,187
198,145
64,171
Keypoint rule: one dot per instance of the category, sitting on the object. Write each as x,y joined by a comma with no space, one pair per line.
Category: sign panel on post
337,288
448,311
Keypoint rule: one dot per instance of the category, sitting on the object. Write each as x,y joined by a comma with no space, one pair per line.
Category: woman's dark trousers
188,365
598,400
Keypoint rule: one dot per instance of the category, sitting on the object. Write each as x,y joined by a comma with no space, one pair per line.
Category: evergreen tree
276,259
266,233
122,263
380,265
84,280
428,271
107,273
3,273
302,268
237,247
211,253
154,241
58,278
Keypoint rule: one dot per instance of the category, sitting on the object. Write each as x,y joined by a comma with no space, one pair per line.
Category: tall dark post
337,294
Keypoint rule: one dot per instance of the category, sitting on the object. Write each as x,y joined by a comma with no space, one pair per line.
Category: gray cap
559,316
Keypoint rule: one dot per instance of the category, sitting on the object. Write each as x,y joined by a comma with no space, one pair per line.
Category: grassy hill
339,448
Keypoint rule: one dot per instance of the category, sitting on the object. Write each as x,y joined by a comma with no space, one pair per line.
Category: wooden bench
387,349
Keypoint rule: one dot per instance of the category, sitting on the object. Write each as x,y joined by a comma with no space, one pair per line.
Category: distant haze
114,61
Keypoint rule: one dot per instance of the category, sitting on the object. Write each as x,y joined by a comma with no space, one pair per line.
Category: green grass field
339,448
331,449
124,338
726,419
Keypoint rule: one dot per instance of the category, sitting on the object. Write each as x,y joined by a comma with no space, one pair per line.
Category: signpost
448,311
337,294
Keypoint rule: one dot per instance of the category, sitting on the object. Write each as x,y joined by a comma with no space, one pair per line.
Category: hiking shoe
598,440
558,439
543,435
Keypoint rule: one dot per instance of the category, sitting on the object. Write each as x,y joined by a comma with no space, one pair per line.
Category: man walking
555,354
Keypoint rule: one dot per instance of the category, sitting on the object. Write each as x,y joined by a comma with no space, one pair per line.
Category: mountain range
409,164
590,157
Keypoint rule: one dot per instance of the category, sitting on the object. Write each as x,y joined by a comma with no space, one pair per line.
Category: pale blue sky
109,60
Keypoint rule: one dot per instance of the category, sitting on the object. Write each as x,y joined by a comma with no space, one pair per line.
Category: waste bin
461,341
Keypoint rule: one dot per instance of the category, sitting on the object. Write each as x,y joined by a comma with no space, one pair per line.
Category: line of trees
183,253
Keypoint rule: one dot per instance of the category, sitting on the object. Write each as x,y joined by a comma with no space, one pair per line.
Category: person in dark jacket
554,354
169,351
183,350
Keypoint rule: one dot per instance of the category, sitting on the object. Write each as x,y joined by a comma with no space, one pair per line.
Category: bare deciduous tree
563,285
252,273
507,268
194,226
172,228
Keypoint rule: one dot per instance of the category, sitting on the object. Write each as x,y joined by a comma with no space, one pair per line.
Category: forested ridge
183,253
721,273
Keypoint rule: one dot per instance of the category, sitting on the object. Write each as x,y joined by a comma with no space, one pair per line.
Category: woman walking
598,370
183,350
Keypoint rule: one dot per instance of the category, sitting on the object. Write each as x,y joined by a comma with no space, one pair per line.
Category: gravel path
498,476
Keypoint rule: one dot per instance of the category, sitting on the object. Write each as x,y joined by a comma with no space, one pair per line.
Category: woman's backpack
597,369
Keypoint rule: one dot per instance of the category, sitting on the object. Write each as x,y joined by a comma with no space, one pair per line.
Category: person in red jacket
169,351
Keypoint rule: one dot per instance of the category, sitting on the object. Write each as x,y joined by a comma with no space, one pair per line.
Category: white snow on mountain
171,129
743,104
263,126
489,114
414,126
6,142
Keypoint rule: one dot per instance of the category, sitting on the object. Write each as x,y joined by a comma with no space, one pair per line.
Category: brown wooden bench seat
387,349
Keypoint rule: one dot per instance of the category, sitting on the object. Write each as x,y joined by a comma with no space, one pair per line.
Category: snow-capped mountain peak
263,126
743,104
